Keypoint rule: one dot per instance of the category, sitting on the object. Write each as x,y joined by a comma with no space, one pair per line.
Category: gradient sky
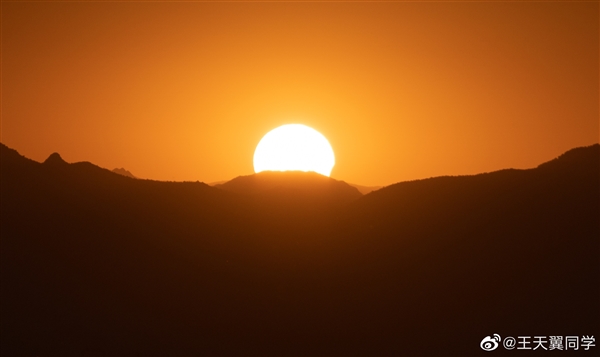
405,90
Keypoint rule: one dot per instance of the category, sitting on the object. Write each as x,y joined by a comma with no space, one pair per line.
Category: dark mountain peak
292,185
54,160
123,172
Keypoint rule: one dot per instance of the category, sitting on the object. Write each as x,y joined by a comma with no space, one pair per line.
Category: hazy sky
406,90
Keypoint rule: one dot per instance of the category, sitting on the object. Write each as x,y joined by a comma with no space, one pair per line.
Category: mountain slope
506,251
95,263
293,187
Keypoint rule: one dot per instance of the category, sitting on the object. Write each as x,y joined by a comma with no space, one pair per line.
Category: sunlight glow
294,147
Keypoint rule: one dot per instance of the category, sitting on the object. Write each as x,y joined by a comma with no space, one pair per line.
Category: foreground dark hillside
95,263
511,251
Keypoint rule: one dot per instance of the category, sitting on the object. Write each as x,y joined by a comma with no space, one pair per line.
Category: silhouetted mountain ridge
581,156
12,158
94,263
365,189
293,186
123,172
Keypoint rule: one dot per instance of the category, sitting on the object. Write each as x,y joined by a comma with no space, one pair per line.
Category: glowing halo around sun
294,147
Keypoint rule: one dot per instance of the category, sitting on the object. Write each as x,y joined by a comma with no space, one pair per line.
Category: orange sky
406,90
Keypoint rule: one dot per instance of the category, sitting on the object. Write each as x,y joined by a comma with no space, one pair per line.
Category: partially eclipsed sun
294,147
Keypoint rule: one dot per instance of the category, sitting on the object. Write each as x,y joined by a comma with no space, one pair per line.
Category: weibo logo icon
490,343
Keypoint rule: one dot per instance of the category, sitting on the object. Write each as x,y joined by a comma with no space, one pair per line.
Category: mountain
55,160
94,263
362,189
123,172
488,250
293,187
216,183
365,189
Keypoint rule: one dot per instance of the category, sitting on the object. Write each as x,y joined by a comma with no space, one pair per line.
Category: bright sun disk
294,147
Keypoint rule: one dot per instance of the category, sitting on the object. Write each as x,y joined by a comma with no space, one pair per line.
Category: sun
294,147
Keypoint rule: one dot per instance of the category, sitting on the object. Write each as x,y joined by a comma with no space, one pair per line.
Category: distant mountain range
365,189
362,189
293,186
123,172
95,263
